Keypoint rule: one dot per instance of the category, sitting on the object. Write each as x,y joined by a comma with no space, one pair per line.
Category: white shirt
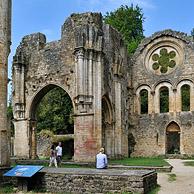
101,160
59,150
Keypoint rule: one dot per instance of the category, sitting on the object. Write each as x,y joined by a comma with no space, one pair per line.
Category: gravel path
184,183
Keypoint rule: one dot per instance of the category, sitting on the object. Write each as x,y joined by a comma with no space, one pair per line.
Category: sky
47,16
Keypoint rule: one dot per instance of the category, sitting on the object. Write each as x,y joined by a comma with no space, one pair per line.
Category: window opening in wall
144,101
185,97
164,100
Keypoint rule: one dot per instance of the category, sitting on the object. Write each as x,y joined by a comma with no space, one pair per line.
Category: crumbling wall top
168,32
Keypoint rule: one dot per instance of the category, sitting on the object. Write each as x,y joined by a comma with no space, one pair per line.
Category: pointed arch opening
51,122
107,127
173,138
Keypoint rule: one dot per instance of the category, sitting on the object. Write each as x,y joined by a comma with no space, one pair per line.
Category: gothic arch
107,126
38,95
33,121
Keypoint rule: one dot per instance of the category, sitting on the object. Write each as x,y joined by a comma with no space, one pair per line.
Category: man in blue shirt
101,160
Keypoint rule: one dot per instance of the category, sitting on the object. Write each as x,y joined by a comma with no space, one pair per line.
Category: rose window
163,60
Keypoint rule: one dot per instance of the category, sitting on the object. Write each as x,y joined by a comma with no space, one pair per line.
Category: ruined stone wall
95,181
115,92
150,130
89,63
5,41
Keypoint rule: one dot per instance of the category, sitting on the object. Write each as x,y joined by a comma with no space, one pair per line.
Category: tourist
59,153
53,156
101,160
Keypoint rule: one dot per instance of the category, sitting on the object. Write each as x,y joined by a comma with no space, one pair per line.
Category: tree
129,22
54,112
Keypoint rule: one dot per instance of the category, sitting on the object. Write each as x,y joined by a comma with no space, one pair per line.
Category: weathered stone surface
90,64
97,181
5,41
150,130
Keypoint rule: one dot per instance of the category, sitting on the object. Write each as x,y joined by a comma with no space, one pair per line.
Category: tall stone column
5,29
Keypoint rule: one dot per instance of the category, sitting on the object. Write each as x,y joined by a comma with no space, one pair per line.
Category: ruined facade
163,78
90,63
142,106
5,41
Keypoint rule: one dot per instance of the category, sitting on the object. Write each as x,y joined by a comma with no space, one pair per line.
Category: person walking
53,156
101,160
59,153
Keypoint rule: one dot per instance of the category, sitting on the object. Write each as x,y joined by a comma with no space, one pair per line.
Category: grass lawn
156,190
171,177
188,163
141,162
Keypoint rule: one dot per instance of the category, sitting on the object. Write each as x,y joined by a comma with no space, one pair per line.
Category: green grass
141,162
155,190
188,163
7,189
171,177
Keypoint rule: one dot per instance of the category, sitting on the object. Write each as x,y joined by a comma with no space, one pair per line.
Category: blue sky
47,16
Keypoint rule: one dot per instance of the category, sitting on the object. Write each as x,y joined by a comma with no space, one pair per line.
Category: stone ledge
155,168
73,180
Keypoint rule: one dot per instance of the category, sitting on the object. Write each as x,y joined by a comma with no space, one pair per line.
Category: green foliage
144,101
155,190
185,96
129,22
10,116
7,189
46,133
55,111
164,100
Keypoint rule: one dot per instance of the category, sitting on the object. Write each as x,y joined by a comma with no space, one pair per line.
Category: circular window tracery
163,60
164,56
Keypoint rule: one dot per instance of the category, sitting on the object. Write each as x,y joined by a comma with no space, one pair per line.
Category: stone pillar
88,104
118,119
5,29
34,143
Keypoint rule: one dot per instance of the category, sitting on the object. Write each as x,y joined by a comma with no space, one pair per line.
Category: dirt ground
184,183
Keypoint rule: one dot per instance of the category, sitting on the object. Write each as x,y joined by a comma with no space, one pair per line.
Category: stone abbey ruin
140,105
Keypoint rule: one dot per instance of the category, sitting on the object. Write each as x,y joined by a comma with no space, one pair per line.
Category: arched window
185,97
144,101
164,100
